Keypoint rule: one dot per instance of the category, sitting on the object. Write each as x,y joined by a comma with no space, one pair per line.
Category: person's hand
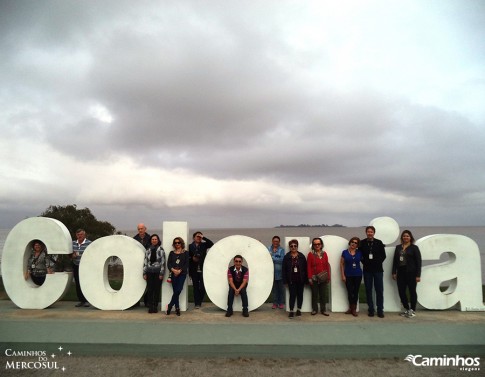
418,279
310,281
160,277
343,278
394,277
144,277
50,271
26,275
236,292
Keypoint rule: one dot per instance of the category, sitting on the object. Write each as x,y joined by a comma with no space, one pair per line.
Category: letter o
258,260
93,272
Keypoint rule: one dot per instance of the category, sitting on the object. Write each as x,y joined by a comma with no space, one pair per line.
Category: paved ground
205,343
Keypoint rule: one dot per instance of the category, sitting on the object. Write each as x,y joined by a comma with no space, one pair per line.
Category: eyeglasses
317,244
238,261
177,243
293,245
354,242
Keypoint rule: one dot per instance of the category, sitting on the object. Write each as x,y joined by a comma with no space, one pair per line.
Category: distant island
311,226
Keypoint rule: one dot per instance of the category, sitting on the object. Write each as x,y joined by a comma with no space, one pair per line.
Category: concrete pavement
206,332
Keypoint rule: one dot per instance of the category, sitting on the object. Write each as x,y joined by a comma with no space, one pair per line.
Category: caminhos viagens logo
466,364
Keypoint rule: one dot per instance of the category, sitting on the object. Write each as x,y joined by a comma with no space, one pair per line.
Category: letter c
24,293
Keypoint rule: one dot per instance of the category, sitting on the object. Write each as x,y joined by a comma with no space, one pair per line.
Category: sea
264,235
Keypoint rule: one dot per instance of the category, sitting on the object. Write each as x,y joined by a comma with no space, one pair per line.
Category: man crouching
238,277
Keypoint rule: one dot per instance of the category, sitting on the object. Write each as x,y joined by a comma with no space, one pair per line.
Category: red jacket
316,265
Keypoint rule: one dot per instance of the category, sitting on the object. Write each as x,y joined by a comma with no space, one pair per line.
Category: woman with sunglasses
317,262
352,273
177,264
295,277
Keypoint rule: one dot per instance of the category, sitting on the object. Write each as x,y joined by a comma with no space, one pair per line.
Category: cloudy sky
244,113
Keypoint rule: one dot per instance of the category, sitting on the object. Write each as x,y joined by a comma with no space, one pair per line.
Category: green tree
75,219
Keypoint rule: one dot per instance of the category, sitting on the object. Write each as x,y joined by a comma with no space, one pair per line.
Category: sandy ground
214,367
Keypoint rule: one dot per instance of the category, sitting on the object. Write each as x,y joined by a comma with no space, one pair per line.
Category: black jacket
376,247
302,268
413,260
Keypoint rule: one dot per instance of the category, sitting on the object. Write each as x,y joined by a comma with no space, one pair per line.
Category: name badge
295,269
177,261
401,258
371,256
33,265
354,265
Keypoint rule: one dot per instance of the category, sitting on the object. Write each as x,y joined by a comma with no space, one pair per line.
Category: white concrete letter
93,272
16,252
463,271
258,260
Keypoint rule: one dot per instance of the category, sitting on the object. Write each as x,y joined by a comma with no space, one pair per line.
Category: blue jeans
177,286
244,299
374,279
278,292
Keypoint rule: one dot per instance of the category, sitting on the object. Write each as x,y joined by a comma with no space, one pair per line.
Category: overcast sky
244,113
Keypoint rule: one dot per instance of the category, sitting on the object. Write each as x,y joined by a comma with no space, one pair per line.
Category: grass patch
117,283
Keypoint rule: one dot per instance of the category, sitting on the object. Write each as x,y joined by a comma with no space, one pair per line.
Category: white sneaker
411,313
404,313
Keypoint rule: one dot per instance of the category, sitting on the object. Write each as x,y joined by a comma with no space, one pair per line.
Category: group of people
180,262
291,269
294,271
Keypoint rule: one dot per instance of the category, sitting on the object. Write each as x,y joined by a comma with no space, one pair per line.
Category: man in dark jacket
198,252
373,255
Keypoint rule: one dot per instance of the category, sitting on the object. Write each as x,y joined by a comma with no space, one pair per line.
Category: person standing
142,236
317,263
406,269
295,277
277,254
78,248
153,271
352,273
237,277
197,252
178,265
39,263
373,255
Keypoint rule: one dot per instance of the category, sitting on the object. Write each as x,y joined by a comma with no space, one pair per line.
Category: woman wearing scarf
39,263
153,270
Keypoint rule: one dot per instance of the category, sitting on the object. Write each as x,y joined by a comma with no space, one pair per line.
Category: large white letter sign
93,272
16,252
259,262
334,245
463,271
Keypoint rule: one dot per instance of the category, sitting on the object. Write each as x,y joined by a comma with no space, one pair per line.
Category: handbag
321,277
